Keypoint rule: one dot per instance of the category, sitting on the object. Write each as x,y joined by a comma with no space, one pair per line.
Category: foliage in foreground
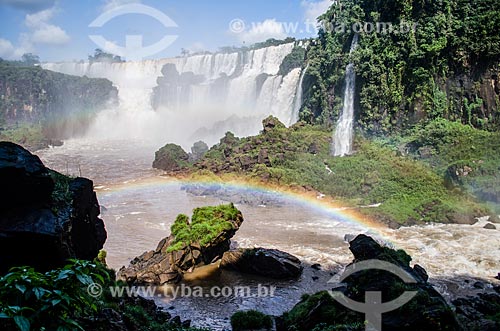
60,300
250,320
53,300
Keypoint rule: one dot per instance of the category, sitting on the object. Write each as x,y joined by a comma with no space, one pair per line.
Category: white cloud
112,4
314,9
37,19
6,49
41,32
50,35
261,31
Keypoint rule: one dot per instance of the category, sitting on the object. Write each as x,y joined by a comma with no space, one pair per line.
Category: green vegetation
411,190
60,300
49,301
250,320
268,43
326,312
101,56
141,320
293,60
38,105
61,195
29,135
206,224
441,69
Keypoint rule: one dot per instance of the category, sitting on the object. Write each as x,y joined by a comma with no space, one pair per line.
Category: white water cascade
212,94
342,139
298,98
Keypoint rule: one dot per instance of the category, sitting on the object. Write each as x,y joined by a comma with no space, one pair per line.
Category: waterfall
298,98
342,140
209,93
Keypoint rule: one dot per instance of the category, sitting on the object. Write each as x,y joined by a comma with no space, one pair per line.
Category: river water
139,205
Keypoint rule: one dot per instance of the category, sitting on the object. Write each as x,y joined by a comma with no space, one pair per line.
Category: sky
59,30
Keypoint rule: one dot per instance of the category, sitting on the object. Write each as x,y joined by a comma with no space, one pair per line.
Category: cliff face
63,104
438,60
45,217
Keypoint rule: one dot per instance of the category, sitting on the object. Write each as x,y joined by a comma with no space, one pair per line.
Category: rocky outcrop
173,87
198,150
271,263
171,158
25,180
175,256
45,217
426,311
480,312
64,104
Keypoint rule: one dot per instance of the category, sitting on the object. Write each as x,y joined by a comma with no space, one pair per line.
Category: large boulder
25,180
198,242
171,158
57,220
427,310
270,123
271,263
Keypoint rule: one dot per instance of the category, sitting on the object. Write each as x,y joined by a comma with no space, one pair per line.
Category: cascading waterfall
342,140
298,98
211,94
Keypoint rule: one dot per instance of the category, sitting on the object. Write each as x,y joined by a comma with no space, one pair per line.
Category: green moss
250,320
61,195
206,224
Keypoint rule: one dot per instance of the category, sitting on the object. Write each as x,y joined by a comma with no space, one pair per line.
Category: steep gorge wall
63,104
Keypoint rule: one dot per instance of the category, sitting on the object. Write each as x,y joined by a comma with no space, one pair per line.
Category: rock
59,216
175,321
490,226
171,158
198,150
313,148
421,273
477,312
163,266
263,157
270,123
426,311
316,266
264,262
494,219
24,177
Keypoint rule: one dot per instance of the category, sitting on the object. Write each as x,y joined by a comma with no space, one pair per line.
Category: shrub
250,320
206,224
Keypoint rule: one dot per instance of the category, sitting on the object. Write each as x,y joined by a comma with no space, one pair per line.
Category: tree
101,56
30,59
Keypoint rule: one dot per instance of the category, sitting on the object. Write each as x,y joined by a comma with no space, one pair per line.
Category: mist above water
210,95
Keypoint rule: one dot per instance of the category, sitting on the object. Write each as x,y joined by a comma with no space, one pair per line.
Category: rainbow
312,200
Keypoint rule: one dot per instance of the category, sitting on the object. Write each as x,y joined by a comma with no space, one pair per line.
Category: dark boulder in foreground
25,179
427,310
198,242
264,262
45,217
